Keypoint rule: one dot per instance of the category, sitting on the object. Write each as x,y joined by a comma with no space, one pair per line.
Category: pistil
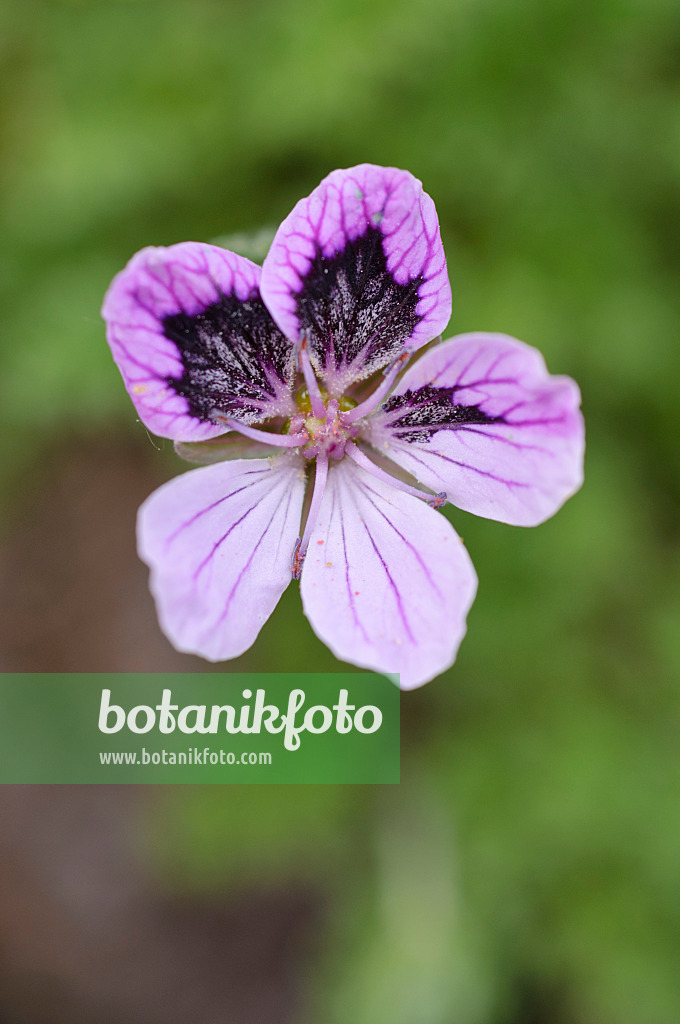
327,435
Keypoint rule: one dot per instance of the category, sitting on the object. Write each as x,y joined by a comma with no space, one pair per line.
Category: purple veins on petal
386,583
218,543
190,333
359,267
417,415
234,359
481,418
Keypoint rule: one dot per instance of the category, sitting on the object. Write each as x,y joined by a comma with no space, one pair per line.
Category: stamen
356,455
302,543
380,392
278,440
318,407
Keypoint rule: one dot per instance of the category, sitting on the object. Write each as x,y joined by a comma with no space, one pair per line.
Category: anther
298,560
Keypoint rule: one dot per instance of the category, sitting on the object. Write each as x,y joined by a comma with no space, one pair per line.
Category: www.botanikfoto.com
192,756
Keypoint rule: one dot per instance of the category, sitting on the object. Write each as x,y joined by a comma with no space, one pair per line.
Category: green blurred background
527,870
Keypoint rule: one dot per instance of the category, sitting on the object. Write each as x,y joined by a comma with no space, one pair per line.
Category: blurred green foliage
527,868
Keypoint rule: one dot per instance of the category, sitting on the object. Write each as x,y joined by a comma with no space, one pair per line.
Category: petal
359,267
386,583
480,418
219,543
190,335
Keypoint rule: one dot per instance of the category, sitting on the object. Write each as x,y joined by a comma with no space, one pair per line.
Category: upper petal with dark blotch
191,335
358,267
480,418
386,583
219,542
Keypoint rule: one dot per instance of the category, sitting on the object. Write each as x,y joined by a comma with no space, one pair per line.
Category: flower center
325,428
328,435
323,419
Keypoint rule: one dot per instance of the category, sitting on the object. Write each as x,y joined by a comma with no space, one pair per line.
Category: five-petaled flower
350,442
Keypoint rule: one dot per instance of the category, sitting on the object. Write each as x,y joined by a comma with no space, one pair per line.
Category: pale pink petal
219,542
192,337
480,418
386,583
358,268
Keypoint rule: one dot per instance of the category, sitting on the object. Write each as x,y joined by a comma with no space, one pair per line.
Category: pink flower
351,442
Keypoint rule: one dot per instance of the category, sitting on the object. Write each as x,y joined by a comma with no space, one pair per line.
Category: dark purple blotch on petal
352,310
235,359
429,409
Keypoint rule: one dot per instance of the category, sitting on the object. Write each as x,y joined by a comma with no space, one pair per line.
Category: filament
380,392
278,440
318,407
302,543
357,456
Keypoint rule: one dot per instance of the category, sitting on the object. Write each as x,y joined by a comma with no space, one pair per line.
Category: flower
290,382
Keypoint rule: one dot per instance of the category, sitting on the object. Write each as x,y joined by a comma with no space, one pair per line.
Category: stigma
328,434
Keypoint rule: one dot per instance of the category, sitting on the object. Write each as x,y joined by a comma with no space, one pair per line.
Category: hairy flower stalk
295,384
